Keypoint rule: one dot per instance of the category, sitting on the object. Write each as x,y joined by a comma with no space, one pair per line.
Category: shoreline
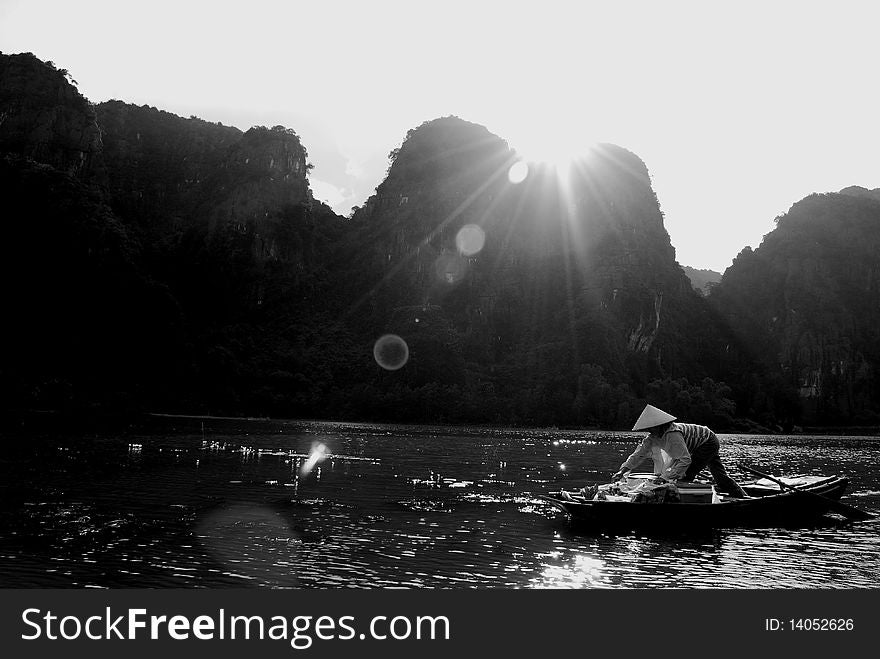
212,417
90,420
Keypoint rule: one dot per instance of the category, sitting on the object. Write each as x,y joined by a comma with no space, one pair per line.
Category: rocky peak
564,257
44,117
444,146
264,175
276,152
858,191
447,159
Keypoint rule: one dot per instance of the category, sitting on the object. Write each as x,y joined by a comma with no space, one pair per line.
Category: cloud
328,193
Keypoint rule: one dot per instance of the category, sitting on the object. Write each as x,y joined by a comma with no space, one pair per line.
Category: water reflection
228,504
578,571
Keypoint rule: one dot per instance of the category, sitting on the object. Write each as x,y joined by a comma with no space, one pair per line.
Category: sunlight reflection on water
412,506
580,571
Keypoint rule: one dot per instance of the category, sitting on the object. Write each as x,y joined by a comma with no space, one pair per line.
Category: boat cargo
638,502
696,492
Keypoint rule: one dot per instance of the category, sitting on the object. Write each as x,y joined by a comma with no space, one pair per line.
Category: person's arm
680,457
642,451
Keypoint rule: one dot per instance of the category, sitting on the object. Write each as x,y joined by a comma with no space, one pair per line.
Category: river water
230,503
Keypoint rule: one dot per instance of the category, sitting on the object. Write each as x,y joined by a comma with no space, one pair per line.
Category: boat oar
850,512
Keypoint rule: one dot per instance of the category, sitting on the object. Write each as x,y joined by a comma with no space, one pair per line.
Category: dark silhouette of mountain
165,263
46,119
575,291
702,280
85,325
805,301
155,255
158,163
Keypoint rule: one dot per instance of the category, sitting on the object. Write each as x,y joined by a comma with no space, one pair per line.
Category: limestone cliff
158,163
806,302
172,253
702,279
525,293
44,117
261,183
198,187
571,270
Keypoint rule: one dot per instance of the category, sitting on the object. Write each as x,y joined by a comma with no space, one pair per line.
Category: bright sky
739,109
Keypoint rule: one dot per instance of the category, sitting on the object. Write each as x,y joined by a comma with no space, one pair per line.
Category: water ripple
390,506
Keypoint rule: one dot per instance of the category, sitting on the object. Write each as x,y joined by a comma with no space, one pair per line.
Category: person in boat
680,451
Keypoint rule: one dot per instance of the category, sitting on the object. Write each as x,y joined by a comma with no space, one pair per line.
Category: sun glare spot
316,455
470,239
518,172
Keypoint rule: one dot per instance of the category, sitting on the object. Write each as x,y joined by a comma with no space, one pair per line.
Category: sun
556,144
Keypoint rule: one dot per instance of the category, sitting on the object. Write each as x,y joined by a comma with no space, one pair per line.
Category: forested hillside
162,263
807,302
570,309
701,279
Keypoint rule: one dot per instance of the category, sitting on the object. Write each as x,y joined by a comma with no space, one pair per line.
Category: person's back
694,434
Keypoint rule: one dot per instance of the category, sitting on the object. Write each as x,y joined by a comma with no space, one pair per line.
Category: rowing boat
806,499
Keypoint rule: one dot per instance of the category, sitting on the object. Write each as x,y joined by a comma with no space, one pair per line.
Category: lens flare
390,352
518,172
254,530
316,455
470,239
450,269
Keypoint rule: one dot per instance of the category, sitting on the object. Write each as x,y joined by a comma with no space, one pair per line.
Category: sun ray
572,244
464,205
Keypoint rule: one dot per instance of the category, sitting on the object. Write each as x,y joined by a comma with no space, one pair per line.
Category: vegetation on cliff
702,279
179,265
573,289
805,302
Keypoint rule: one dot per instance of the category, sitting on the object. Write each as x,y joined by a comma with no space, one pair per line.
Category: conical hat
650,417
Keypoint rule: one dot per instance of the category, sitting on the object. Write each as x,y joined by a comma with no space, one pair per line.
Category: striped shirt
693,434
671,452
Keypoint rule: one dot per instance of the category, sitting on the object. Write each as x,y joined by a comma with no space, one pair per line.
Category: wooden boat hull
767,508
